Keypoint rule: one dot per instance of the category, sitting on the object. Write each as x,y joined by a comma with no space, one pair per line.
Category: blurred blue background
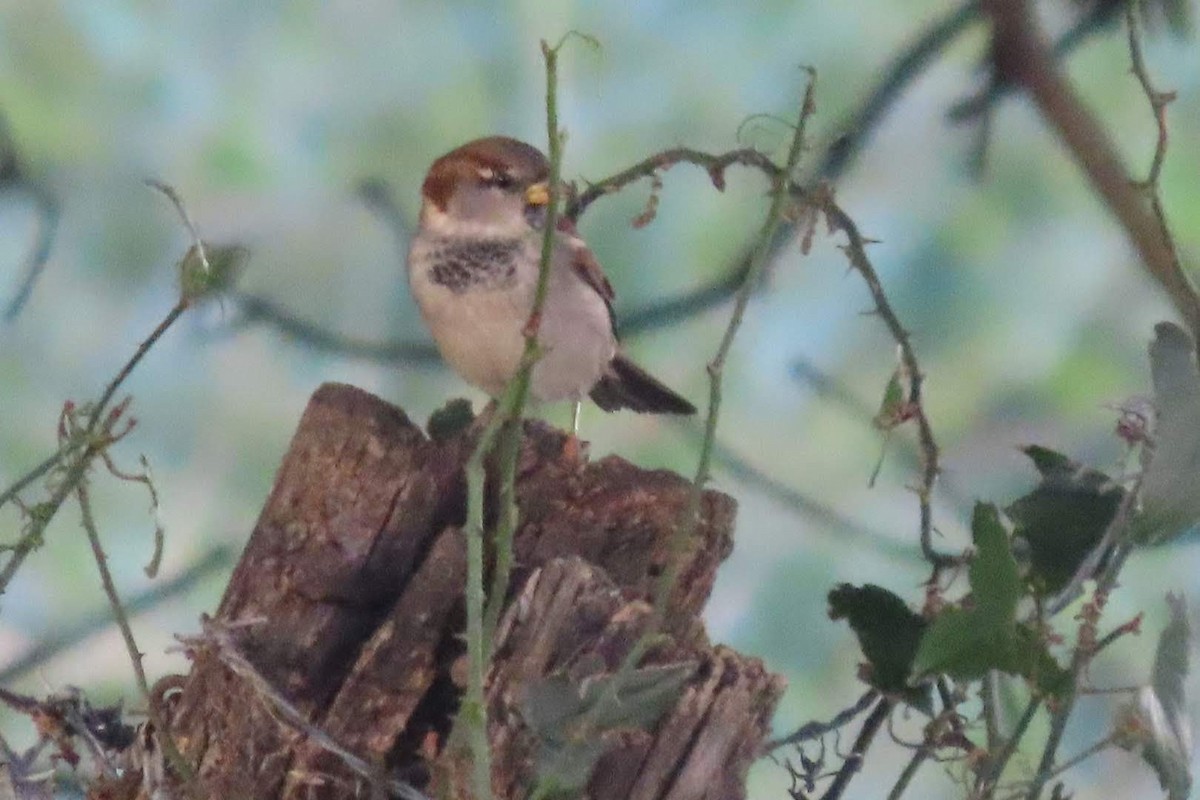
1026,304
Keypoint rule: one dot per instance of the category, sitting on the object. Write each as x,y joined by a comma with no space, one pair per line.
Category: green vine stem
503,434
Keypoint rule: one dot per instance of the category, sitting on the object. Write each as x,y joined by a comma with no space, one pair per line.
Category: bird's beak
538,194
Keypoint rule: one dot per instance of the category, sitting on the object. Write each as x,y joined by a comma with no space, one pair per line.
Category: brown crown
525,162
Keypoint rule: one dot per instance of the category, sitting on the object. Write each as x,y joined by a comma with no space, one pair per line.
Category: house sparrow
473,269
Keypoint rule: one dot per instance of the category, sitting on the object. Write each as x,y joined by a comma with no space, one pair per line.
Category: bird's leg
572,447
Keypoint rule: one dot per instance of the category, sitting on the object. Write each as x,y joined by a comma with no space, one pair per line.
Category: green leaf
893,409
1032,660
1158,720
1171,483
995,578
570,717
1064,518
963,648
888,632
966,642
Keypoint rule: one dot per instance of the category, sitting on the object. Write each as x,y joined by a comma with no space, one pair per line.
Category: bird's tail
626,385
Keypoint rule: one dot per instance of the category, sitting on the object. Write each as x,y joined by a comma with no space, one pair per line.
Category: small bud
202,275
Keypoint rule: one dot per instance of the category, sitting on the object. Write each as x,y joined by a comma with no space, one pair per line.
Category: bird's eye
497,179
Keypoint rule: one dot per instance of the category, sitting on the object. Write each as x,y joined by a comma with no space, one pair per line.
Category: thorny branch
716,165
990,775
161,730
907,66
114,599
1159,101
780,200
78,451
1080,658
502,435
856,252
1100,16
85,434
837,158
1021,57
68,466
691,515
1058,105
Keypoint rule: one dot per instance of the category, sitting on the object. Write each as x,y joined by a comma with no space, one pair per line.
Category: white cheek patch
441,223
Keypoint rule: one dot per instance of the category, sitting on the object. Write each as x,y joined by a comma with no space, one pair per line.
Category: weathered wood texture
348,598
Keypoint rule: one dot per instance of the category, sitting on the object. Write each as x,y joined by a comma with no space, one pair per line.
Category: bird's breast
463,265
476,297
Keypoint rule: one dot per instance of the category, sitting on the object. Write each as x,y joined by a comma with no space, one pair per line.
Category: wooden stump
348,600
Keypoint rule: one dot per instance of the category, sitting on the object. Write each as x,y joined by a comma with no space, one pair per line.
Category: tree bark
348,601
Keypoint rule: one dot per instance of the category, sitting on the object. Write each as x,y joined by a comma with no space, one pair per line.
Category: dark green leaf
450,420
963,648
1048,462
888,632
967,642
1171,484
1064,518
1033,661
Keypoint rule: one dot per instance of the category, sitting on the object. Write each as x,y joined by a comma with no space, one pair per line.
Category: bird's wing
585,265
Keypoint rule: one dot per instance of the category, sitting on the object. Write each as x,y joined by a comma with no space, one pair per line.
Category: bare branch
858,751
815,730
161,730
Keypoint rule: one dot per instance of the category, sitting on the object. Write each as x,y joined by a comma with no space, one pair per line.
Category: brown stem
1022,57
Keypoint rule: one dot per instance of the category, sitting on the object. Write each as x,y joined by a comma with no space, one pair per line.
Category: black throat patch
461,265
